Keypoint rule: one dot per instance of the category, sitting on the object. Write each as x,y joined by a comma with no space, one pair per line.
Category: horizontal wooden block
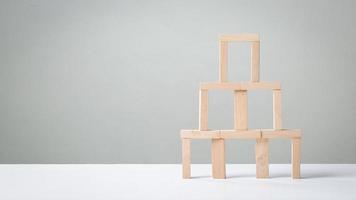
273,85
221,134
283,133
198,134
220,86
240,38
241,134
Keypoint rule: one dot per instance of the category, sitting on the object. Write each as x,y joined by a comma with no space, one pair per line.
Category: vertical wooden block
223,47
262,160
203,110
218,158
296,158
255,61
277,109
186,157
240,110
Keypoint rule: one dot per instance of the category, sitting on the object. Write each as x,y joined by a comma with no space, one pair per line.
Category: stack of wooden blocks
241,130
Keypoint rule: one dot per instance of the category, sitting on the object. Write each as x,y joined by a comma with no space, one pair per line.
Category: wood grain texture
273,85
223,59
240,110
277,109
198,134
281,133
186,154
296,158
255,61
218,158
251,37
203,110
241,134
262,160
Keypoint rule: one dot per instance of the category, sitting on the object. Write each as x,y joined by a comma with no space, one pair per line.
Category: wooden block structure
241,130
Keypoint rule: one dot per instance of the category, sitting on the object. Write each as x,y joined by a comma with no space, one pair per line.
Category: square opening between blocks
260,109
239,61
220,110
239,152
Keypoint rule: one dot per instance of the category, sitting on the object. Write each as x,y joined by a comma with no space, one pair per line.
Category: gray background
115,81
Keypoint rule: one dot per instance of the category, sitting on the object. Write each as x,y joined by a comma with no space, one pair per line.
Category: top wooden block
239,38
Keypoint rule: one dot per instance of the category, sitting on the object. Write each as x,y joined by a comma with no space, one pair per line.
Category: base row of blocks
261,136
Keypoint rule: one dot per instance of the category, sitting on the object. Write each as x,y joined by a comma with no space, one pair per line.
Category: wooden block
223,59
240,110
220,86
262,163
281,133
186,157
255,61
277,109
218,158
241,134
296,158
273,85
203,109
197,134
240,38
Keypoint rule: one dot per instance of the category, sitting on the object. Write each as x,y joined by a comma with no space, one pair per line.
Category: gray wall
114,81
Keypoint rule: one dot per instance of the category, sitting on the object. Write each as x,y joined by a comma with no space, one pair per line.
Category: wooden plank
220,86
186,157
262,160
240,110
273,85
218,158
282,133
197,134
239,37
255,61
277,109
296,158
241,134
203,110
223,59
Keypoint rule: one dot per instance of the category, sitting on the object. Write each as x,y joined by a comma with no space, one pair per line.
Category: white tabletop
155,181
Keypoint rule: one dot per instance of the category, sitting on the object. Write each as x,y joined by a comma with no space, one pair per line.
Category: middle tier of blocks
240,134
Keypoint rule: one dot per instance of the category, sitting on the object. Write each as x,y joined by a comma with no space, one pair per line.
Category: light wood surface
218,158
240,134
186,157
203,110
282,133
240,110
223,59
239,37
255,61
277,109
198,134
272,85
296,158
262,160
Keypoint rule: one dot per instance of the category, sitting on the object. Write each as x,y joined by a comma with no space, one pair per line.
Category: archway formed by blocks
241,130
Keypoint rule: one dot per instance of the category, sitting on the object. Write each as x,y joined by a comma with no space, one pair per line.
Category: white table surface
155,181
